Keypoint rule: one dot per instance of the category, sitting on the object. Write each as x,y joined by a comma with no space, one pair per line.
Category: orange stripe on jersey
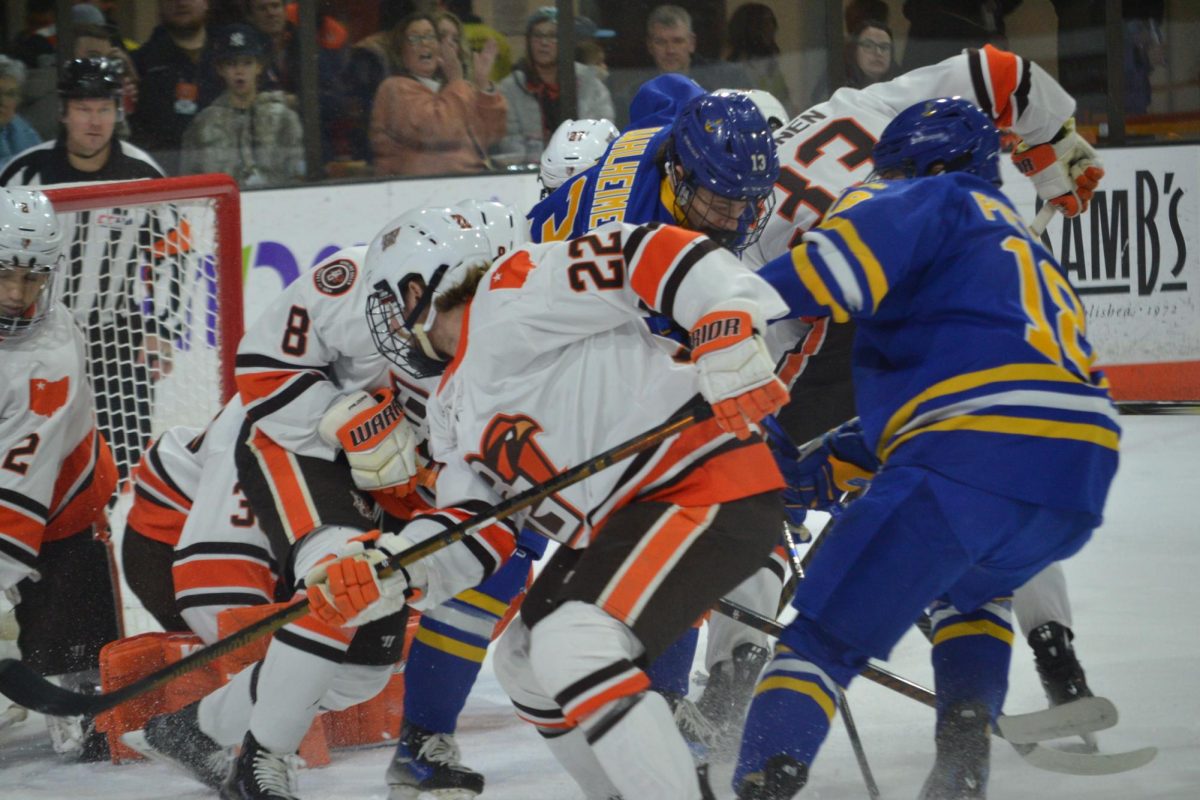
1003,71
178,240
21,528
659,251
223,573
156,522
287,486
145,474
631,685
462,347
86,509
795,363
257,385
655,554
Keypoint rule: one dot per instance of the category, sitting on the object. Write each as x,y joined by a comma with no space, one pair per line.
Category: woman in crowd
16,134
429,119
532,91
869,58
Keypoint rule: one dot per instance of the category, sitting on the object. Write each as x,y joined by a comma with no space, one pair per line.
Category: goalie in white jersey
551,364
57,472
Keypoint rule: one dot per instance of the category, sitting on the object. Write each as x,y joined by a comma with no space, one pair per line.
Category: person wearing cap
178,78
532,91
132,320
248,134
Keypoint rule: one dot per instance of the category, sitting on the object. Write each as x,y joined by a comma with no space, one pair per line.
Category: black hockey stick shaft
26,688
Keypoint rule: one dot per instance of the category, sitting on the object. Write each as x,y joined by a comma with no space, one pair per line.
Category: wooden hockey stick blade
1055,760
1085,715
1046,758
25,687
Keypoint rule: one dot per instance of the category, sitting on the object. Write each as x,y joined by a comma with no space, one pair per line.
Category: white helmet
505,228
768,105
30,240
435,248
575,146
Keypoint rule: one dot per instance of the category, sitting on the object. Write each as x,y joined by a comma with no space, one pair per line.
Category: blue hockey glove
842,463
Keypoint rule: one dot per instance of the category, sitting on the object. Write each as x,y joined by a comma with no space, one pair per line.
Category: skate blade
397,792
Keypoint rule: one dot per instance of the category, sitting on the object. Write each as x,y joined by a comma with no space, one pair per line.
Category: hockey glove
1065,170
843,463
378,441
347,591
737,375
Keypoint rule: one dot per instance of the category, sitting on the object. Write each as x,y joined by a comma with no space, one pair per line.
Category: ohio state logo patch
336,277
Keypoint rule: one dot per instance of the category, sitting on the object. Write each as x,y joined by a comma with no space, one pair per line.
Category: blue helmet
722,143
949,131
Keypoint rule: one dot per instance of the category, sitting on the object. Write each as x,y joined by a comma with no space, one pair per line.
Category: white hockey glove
737,374
1065,170
345,590
377,440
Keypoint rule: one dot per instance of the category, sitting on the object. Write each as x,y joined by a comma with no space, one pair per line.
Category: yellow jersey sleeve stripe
973,380
876,278
816,287
1016,426
452,646
979,627
483,602
808,688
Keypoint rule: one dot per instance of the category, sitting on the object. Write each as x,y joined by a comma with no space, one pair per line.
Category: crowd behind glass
436,87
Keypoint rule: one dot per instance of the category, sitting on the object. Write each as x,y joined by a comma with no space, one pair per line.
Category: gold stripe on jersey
812,689
452,646
483,602
973,380
876,279
975,627
815,285
1016,426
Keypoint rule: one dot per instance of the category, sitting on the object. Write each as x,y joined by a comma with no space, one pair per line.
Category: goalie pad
376,438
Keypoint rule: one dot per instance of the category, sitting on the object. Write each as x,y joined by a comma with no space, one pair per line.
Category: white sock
291,684
642,752
224,715
577,757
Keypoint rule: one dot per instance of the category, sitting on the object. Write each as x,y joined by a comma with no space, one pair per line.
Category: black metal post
566,59
1114,46
310,111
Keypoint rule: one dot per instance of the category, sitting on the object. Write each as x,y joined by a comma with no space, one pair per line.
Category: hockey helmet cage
576,145
949,131
31,241
434,248
84,78
505,228
767,104
722,143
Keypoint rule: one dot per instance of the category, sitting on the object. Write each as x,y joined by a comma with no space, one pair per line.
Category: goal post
153,274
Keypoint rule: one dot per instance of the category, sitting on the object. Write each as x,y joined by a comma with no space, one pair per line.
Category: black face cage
750,224
391,330
14,327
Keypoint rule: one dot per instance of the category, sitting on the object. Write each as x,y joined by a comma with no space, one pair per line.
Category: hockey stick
1100,714
28,689
1038,226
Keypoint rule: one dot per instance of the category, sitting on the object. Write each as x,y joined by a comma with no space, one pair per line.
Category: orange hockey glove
346,590
1065,170
737,375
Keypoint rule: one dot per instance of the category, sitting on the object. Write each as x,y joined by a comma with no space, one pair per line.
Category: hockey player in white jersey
574,146
504,228
547,362
57,472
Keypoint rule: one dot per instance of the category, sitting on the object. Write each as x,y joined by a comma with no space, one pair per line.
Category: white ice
1135,589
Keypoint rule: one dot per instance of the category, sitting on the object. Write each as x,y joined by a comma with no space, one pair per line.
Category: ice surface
1135,589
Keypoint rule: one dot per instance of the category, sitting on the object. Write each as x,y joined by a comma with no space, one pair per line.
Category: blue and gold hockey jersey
626,185
971,356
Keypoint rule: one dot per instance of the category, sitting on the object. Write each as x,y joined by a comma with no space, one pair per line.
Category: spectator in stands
942,28
751,32
671,43
588,49
532,92
450,33
15,133
371,60
101,41
429,120
108,8
276,24
868,56
476,32
248,134
177,79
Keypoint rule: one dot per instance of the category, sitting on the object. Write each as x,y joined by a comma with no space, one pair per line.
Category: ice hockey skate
259,774
427,762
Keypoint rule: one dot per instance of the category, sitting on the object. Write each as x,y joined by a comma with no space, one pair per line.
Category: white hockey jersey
56,473
309,347
827,148
556,365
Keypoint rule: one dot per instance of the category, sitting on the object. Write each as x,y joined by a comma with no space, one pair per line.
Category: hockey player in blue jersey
712,169
998,441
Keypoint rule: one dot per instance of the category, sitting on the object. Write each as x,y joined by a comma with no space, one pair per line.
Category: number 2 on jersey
1060,341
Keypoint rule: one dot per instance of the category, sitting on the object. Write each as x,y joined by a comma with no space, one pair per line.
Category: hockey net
153,276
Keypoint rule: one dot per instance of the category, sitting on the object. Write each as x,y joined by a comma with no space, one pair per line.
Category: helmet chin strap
427,347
